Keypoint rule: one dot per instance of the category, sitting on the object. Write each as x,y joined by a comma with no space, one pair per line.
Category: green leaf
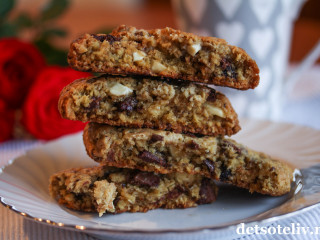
23,21
5,7
53,55
53,9
8,30
53,32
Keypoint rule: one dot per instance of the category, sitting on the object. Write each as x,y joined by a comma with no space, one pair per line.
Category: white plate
24,188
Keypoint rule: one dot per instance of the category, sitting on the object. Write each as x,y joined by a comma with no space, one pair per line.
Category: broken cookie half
166,152
166,53
144,102
106,189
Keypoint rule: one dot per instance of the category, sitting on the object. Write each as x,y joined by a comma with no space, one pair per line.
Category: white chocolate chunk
194,48
214,110
104,193
82,49
158,67
119,90
96,45
117,177
183,178
137,56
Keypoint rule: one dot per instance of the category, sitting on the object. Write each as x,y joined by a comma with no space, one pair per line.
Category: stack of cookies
158,132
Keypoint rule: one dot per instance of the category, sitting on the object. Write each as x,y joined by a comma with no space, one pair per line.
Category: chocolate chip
110,38
116,200
225,63
272,169
105,175
174,82
151,158
176,192
210,165
194,135
79,196
212,95
139,33
94,104
182,58
207,192
226,145
145,179
128,104
155,138
110,155
101,38
225,173
227,68
192,145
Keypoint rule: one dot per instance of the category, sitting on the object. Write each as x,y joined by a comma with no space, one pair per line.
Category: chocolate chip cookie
105,189
166,152
144,102
165,52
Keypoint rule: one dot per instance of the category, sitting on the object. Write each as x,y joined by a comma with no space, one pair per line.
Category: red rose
20,62
6,121
40,114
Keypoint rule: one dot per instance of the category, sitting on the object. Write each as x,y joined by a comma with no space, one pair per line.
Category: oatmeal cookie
165,52
144,102
165,152
105,189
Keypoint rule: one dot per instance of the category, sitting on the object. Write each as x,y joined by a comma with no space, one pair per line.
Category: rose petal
20,63
40,111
